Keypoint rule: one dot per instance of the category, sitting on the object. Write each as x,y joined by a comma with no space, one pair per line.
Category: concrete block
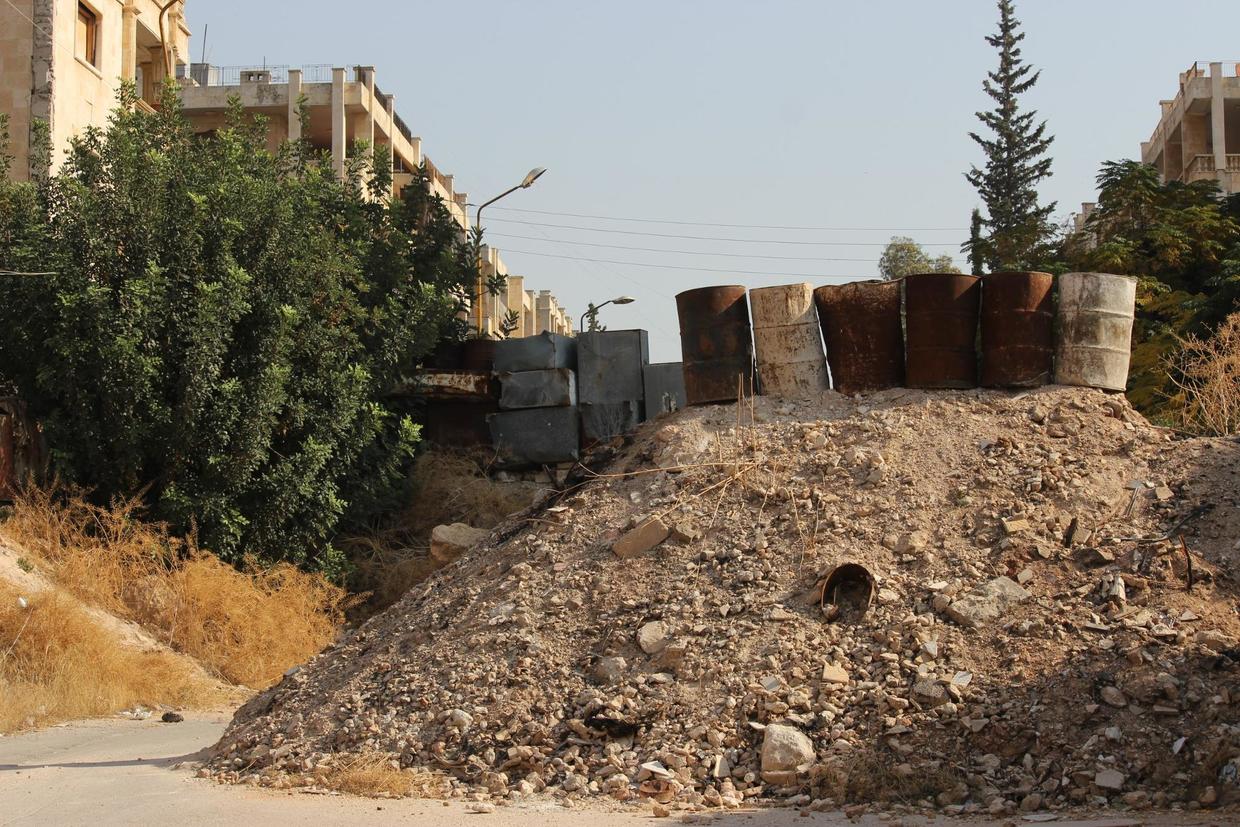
546,351
537,389
536,436
458,423
609,365
664,388
602,422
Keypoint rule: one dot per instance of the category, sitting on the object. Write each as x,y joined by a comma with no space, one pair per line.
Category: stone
610,671
645,537
1162,493
1025,576
1214,639
1111,696
988,602
929,692
459,719
1094,557
1109,780
652,638
682,534
171,717
479,807
911,543
448,542
1011,527
1031,802
834,673
785,749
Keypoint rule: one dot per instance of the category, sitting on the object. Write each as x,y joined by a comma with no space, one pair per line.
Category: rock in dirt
645,537
785,750
171,717
987,603
448,542
652,638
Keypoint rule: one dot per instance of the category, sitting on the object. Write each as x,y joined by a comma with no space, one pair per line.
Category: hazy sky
848,118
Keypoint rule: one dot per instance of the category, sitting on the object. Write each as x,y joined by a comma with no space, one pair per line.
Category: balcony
1202,168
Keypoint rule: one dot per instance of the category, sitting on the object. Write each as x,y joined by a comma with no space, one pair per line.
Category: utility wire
716,238
742,226
697,269
677,252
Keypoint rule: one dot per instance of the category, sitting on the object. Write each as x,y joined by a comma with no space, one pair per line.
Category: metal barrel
787,341
940,311
716,343
1018,329
1095,330
864,334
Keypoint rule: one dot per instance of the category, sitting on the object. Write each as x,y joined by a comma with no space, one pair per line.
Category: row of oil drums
934,330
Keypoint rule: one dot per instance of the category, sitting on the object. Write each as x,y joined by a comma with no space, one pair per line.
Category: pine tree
1015,161
976,246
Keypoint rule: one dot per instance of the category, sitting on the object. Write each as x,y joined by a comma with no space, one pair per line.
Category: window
87,43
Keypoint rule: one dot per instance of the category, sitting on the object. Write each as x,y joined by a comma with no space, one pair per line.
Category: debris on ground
1022,639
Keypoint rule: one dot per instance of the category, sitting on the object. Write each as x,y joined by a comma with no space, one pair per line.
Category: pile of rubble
969,601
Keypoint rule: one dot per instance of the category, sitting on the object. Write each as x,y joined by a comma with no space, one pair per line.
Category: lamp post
581,328
530,177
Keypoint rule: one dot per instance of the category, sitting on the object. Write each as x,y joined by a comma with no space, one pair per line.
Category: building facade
1198,135
530,313
62,62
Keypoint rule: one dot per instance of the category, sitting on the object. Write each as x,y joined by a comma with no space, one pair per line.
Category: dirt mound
678,628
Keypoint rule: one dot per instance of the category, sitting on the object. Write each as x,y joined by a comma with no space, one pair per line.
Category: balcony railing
1202,167
204,74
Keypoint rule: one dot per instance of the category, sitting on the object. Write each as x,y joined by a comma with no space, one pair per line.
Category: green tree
223,326
975,247
1019,227
904,257
1182,241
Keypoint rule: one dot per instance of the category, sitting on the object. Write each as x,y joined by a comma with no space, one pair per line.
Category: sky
846,122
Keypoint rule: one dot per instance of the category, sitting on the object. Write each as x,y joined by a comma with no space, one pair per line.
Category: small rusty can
1018,321
864,334
787,341
716,342
941,311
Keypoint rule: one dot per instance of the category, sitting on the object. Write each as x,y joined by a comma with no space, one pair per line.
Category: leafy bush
223,326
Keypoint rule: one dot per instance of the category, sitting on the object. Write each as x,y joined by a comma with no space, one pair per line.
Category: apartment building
344,106
1198,135
531,313
63,61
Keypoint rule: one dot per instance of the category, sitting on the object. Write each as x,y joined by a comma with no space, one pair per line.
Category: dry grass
376,775
876,777
246,627
1207,375
448,487
57,663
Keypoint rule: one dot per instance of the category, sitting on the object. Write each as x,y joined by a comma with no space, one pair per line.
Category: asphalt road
141,772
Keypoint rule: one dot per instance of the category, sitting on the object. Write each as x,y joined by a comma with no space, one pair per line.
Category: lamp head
624,300
532,176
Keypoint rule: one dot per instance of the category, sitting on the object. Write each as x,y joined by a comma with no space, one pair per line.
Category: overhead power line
715,238
696,269
676,252
742,226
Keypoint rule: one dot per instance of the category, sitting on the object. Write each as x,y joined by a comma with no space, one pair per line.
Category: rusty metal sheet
864,334
941,312
610,364
787,341
716,343
452,384
1095,330
537,436
1018,321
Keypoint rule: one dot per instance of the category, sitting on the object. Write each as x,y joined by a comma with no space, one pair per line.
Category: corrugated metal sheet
609,366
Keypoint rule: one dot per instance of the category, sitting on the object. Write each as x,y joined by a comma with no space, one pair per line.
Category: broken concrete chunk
834,673
646,536
988,602
1094,557
785,749
929,692
448,542
653,637
1113,697
1015,526
1109,780
610,671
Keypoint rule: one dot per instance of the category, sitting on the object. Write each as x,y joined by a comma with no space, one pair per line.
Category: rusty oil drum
864,335
941,312
1095,330
716,343
1018,329
787,341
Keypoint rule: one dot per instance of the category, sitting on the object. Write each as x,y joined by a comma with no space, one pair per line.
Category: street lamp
581,328
530,177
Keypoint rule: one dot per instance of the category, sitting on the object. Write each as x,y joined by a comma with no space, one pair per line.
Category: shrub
222,326
1207,375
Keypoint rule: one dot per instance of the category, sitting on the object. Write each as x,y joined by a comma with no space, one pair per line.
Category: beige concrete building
1198,136
344,106
532,313
62,62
